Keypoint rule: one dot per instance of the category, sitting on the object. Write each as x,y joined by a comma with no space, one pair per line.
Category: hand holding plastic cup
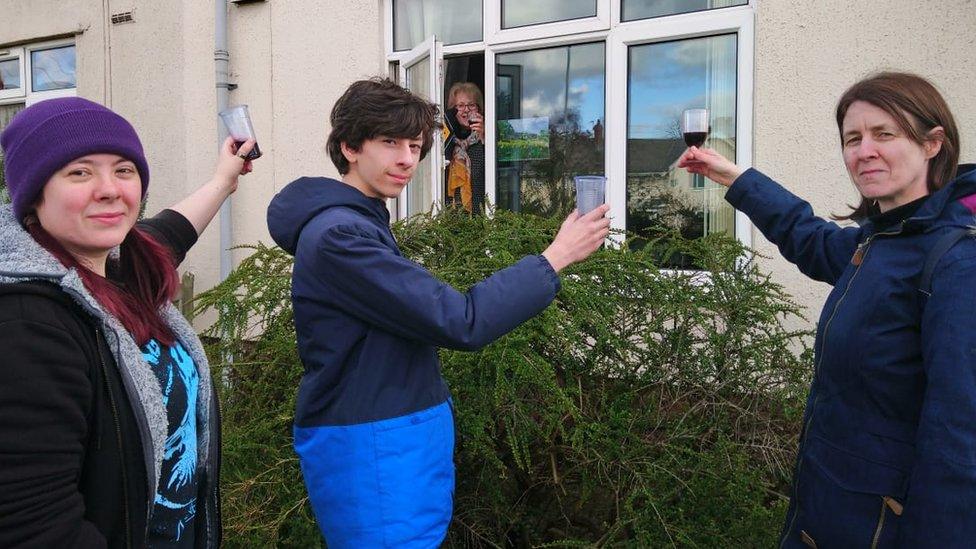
238,123
590,192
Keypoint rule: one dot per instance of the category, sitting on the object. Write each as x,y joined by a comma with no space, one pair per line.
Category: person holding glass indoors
108,419
464,148
887,454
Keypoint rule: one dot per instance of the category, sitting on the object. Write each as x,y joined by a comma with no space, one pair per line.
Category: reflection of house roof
652,155
659,155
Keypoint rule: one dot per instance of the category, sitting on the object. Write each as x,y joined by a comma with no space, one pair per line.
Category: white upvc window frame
739,20
429,49
491,51
618,36
495,34
26,94
33,96
21,92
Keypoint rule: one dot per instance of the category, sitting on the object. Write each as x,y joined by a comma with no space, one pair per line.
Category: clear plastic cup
238,123
590,192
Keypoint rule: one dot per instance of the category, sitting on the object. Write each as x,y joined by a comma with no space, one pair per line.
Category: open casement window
421,71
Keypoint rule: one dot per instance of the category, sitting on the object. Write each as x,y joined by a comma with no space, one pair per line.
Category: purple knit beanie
44,137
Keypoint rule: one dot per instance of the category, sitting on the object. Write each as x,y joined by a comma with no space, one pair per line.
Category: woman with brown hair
887,454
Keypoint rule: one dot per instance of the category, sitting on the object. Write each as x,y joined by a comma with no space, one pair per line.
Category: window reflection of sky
453,21
644,9
545,77
667,78
53,69
10,73
517,13
562,87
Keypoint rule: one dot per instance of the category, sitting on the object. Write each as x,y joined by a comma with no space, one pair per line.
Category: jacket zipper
118,438
213,521
881,523
139,412
860,254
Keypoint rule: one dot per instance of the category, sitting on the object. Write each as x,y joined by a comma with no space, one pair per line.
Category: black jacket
75,434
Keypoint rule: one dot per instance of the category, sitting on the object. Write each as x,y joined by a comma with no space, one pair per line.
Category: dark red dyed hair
142,281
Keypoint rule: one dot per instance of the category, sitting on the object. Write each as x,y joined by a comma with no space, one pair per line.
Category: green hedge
641,409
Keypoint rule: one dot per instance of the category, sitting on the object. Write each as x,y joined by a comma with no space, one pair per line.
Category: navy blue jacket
369,320
888,450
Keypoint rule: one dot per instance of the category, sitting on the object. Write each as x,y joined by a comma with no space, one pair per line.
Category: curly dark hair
379,107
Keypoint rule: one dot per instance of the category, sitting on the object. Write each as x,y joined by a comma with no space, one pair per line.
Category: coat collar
954,204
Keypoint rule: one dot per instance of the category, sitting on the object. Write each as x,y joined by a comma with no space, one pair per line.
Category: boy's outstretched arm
372,282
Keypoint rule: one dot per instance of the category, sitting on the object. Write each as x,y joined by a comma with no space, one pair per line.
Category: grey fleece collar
23,259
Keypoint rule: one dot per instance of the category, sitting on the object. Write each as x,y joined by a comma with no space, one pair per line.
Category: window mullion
616,134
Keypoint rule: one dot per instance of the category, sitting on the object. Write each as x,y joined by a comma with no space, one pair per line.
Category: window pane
550,106
419,196
53,69
663,80
10,74
518,13
452,21
7,113
645,9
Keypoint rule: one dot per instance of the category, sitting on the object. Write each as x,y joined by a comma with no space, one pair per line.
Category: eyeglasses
465,106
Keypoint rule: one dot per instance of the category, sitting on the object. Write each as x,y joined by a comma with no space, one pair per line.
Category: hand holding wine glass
477,125
695,127
711,164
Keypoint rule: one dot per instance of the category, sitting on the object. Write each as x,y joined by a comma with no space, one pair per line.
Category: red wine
255,152
695,139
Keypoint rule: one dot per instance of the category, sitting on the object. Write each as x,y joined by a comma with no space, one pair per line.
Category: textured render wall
807,54
292,60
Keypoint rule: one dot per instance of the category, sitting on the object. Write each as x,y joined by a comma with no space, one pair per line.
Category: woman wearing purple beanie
108,419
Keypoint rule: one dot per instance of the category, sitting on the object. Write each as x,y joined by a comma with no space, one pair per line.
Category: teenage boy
374,430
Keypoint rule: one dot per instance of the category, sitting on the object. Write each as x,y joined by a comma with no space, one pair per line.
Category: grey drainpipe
221,65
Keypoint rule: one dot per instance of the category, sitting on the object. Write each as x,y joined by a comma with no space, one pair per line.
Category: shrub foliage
643,408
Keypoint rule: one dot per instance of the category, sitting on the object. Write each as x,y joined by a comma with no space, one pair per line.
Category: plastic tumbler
590,192
238,123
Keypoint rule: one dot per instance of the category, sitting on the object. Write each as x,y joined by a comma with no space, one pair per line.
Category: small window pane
53,69
452,21
645,9
550,120
664,79
7,113
519,13
10,74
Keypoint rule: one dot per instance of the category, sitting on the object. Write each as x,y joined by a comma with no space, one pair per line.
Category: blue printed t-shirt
172,520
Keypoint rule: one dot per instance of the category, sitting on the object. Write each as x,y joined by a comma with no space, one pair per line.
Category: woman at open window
887,454
464,138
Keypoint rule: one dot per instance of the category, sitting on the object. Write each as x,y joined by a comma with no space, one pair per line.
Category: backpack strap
942,246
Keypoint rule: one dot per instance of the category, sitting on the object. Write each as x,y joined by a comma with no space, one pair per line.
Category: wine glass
695,127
